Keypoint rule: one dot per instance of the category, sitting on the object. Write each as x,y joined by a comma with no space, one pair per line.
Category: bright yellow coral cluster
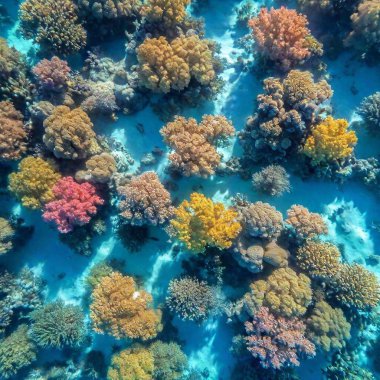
330,141
34,181
200,222
120,309
166,66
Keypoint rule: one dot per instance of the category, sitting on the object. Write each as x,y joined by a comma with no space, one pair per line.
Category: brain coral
53,24
69,134
120,309
145,200
99,169
200,222
166,66
13,133
195,144
284,292
33,183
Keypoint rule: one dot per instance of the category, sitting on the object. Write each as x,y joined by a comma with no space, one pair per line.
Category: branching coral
282,36
99,169
369,110
69,134
191,299
286,111
328,327
132,364
33,183
284,292
166,13
53,24
330,141
319,259
16,352
200,222
120,309
166,66
272,180
194,144
357,287
73,205
305,224
52,74
58,325
7,233
277,342
13,133
145,200
366,27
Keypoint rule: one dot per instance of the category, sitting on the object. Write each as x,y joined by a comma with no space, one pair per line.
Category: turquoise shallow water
350,211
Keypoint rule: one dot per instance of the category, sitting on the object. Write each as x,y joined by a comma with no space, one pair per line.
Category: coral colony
207,251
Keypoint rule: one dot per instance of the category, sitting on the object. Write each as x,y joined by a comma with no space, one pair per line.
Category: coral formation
327,327
144,200
97,272
33,183
120,309
191,299
248,253
277,342
74,204
369,110
330,141
53,24
58,325
272,180
101,99
99,169
200,222
7,233
194,144
282,36
69,134
13,132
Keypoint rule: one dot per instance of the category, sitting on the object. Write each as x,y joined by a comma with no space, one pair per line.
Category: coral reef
194,144
369,110
277,342
132,364
7,233
282,36
200,222
53,24
33,183
101,99
74,204
144,200
248,253
191,299
327,327
69,134
330,141
272,180
13,132
97,272
58,325
121,310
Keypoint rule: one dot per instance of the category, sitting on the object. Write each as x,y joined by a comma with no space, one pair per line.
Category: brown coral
145,200
7,233
120,309
13,134
69,134
194,144
99,169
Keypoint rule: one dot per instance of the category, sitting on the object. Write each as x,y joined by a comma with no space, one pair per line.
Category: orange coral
194,144
121,310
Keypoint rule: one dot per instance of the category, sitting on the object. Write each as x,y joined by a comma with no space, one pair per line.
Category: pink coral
52,74
282,36
74,204
277,342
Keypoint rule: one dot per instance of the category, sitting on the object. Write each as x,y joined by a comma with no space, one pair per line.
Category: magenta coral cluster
52,74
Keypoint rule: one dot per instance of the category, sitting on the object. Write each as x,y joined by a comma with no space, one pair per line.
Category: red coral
74,204
277,342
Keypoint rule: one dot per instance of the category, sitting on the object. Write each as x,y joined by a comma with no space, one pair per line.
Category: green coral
58,325
16,352
97,272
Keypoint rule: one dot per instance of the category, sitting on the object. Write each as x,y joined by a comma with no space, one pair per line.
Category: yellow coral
319,259
201,222
7,233
132,364
284,292
121,310
34,181
330,141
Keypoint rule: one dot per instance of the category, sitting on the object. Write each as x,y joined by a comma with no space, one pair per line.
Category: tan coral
99,169
7,233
